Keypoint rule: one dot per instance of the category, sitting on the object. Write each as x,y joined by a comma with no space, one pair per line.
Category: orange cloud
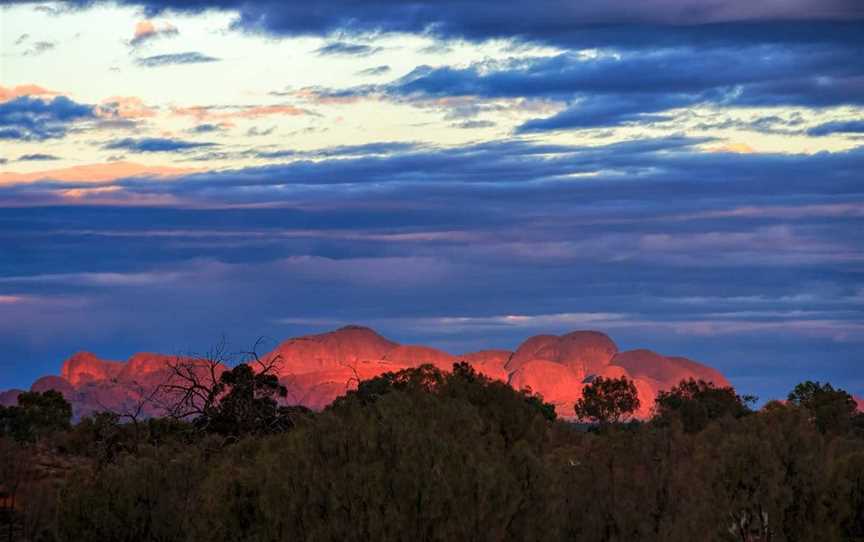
146,30
95,173
202,113
10,93
125,107
143,28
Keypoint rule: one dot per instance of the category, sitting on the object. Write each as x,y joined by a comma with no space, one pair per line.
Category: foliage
832,410
608,400
697,402
248,405
36,416
429,455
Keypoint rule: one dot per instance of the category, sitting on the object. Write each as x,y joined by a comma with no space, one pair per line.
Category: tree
831,409
229,402
608,400
249,405
697,402
36,416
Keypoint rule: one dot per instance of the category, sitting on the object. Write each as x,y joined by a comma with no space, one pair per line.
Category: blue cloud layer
581,25
751,262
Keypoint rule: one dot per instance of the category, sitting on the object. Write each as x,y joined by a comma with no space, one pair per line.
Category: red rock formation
9,397
586,352
84,367
860,402
318,368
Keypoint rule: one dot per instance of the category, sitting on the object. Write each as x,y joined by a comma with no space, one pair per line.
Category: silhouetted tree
37,415
249,405
608,400
697,402
832,409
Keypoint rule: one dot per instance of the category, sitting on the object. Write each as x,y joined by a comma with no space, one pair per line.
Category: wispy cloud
172,59
37,157
146,31
341,48
155,144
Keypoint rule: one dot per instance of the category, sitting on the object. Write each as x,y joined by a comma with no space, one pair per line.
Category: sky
684,175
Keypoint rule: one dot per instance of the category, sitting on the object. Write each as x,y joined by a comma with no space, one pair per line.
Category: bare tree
193,386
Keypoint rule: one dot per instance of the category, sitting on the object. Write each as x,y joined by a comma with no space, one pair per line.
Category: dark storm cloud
33,119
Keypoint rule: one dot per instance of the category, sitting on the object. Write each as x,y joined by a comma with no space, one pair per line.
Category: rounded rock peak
668,371
57,383
349,344
86,366
584,351
413,356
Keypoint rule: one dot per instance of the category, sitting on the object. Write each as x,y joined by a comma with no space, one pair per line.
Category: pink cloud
95,173
125,107
10,93
203,113
147,30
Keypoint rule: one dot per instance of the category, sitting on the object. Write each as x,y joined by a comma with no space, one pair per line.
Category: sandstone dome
331,350
318,368
557,383
413,356
586,352
85,366
57,383
490,363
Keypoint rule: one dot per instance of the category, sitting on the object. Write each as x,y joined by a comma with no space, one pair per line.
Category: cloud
559,22
254,131
374,71
39,47
10,93
341,48
146,31
125,108
599,89
94,173
208,128
559,236
838,127
172,59
223,113
37,157
596,111
32,119
474,124
154,144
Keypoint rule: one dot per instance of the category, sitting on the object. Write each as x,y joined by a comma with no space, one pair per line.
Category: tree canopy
608,400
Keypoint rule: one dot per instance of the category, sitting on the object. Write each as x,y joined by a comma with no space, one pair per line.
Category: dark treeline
424,455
